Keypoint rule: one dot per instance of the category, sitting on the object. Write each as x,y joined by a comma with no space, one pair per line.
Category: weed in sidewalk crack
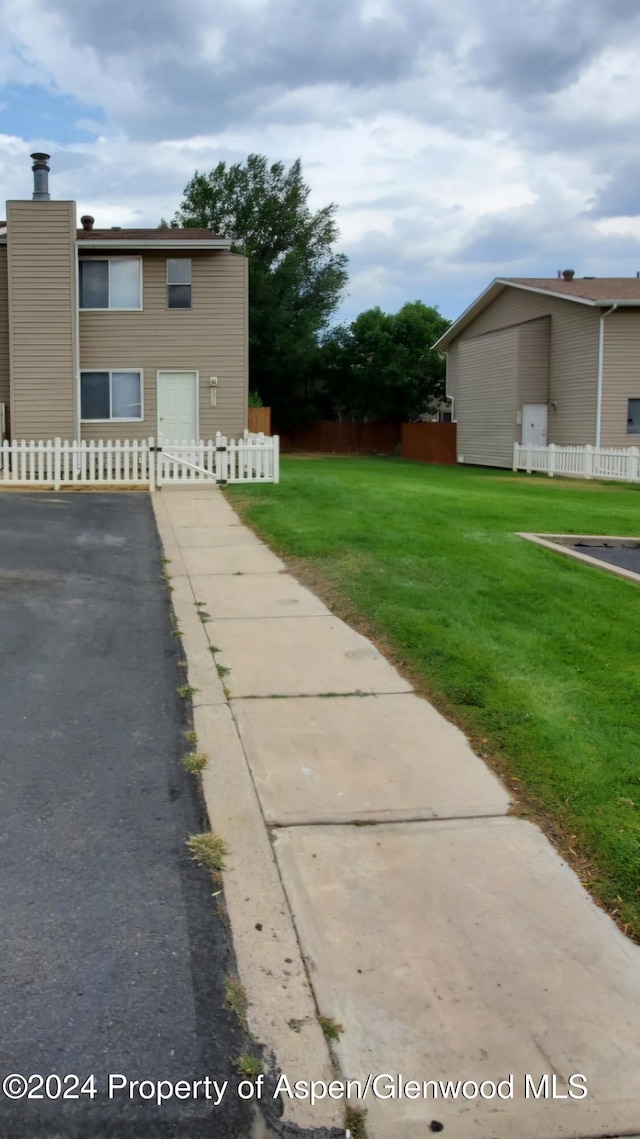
186,691
195,762
248,1066
208,850
235,999
223,670
192,739
331,1029
354,1122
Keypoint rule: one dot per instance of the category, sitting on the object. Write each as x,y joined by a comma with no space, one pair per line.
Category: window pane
633,417
94,395
124,277
179,296
179,271
125,395
94,284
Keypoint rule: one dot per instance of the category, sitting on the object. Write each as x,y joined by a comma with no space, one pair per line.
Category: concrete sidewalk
377,878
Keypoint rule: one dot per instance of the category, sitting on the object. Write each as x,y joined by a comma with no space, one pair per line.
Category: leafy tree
296,279
383,366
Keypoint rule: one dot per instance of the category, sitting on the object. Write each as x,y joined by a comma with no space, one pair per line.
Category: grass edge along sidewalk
534,656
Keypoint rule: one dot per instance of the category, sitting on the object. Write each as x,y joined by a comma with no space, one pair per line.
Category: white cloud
457,141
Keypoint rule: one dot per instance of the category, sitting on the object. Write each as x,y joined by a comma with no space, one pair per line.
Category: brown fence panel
260,420
344,438
429,442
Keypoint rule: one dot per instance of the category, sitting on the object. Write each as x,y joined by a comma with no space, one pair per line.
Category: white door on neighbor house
177,406
534,424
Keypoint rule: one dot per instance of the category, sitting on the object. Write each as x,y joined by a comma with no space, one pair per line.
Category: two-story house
545,360
118,333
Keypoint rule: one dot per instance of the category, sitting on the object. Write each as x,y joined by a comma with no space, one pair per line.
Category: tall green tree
383,365
296,278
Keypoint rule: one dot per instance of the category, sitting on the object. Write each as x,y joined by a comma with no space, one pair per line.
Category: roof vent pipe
86,221
41,177
568,274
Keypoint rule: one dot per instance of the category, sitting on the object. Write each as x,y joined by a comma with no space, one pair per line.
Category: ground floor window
110,395
633,417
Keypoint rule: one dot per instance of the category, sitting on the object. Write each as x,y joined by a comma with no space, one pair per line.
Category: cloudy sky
460,140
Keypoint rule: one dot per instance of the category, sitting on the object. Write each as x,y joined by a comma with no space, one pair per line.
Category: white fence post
56,463
588,461
515,456
221,458
551,468
151,462
634,464
529,457
276,458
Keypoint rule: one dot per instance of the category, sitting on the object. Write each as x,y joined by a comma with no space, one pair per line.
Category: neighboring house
118,333
545,360
441,413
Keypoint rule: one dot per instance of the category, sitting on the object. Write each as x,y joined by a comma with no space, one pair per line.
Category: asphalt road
112,956
626,556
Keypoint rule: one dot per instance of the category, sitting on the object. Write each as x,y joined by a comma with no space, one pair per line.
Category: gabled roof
593,291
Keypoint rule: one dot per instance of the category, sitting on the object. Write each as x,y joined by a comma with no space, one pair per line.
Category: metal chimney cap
86,221
40,177
568,274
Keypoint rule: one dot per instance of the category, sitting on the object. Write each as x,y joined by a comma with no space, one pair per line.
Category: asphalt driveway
112,956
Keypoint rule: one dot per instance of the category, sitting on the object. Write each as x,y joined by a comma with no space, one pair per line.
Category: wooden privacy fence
344,438
429,442
588,462
260,420
424,442
57,463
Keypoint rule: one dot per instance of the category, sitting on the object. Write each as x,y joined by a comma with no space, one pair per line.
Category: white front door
534,424
178,407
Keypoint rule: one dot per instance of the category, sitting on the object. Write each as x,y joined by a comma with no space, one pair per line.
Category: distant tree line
379,367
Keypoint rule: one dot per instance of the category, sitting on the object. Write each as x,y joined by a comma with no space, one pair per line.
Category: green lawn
537,657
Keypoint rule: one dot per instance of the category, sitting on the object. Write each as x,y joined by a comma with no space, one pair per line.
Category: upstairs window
114,282
633,417
179,282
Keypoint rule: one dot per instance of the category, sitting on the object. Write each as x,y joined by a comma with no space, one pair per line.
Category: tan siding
4,329
620,377
452,374
533,361
486,400
42,315
573,356
210,338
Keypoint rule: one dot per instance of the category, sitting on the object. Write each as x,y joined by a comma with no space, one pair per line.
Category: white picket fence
588,462
144,462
